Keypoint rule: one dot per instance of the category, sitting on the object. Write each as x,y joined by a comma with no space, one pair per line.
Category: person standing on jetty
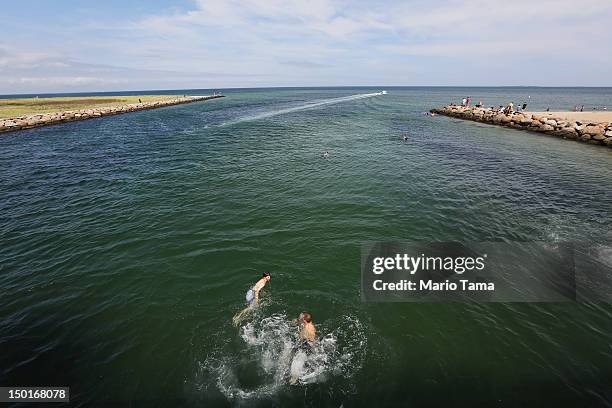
252,297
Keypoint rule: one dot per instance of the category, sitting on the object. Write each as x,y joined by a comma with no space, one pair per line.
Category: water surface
128,243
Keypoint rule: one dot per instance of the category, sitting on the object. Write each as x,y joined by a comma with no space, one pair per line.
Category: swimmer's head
267,275
306,317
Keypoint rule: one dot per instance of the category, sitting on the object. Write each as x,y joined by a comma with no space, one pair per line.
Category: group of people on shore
508,109
581,109
511,108
465,102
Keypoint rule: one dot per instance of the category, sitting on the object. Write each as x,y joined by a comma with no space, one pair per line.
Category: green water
128,244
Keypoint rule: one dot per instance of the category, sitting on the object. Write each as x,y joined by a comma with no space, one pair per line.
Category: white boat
383,92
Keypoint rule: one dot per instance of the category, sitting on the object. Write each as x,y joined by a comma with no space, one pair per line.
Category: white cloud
325,42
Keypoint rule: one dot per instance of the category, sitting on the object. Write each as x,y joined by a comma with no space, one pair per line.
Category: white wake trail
331,101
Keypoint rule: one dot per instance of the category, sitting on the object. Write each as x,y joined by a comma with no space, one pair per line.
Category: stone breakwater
599,133
44,119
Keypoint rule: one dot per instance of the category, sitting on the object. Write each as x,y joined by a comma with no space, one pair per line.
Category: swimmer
306,334
307,328
252,297
404,137
326,154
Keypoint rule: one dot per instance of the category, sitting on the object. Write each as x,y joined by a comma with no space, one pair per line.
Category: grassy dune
11,108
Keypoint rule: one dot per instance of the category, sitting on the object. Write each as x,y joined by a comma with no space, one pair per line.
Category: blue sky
70,46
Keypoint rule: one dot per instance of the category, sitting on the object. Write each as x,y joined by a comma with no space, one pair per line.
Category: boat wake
270,359
324,102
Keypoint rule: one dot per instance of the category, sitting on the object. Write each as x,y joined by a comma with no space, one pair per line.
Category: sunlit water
128,244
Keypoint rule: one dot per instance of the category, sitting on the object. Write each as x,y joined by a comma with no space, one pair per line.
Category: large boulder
549,122
598,137
546,128
608,141
11,125
593,130
525,121
568,133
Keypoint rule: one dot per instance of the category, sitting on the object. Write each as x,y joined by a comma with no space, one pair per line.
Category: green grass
11,108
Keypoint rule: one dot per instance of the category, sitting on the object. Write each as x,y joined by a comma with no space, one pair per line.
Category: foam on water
270,352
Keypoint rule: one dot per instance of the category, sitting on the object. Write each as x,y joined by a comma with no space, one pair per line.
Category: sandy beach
595,117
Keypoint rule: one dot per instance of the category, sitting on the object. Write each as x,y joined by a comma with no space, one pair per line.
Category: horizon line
301,87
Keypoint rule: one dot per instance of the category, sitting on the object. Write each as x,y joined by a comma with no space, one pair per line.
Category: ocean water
128,243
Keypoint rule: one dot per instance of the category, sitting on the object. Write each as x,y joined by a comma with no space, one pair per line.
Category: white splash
272,345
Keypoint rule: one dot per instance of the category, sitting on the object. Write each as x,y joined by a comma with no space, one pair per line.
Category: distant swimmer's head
306,317
267,276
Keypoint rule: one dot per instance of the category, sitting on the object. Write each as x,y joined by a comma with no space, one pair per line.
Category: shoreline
52,118
580,126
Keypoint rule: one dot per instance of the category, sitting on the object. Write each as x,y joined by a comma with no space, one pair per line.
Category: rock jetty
44,119
599,133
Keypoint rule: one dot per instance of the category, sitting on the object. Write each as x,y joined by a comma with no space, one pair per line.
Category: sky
111,45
